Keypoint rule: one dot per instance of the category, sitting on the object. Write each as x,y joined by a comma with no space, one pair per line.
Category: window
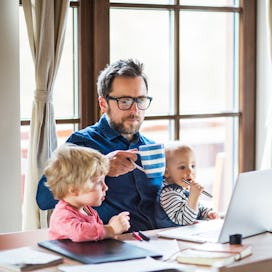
199,71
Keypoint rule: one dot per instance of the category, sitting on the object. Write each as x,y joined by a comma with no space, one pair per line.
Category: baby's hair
71,166
173,146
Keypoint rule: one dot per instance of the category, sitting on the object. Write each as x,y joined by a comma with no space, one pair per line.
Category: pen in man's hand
203,192
143,236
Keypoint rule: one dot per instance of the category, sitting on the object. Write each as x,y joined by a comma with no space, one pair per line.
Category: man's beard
125,130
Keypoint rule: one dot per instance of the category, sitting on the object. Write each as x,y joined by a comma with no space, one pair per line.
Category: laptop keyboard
206,231
210,235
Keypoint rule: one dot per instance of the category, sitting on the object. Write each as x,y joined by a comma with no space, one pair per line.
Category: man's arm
44,196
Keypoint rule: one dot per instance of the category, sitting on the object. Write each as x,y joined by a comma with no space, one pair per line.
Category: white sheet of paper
26,255
159,246
138,265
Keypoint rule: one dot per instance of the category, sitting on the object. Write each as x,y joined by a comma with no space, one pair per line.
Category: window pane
234,3
25,133
159,131
27,75
139,38
216,153
64,131
65,100
143,1
63,94
208,68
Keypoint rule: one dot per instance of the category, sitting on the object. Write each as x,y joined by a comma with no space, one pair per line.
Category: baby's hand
120,223
212,215
196,189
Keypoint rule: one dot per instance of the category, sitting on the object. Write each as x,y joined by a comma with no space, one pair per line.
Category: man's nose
134,107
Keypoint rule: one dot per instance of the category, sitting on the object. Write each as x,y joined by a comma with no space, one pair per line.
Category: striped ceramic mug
153,159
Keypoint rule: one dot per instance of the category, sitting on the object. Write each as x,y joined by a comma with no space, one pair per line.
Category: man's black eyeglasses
126,102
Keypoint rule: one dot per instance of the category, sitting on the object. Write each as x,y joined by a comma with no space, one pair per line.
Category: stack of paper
27,259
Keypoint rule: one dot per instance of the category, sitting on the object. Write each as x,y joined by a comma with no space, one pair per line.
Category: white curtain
267,154
46,24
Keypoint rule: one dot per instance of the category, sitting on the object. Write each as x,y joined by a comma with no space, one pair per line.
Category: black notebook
102,251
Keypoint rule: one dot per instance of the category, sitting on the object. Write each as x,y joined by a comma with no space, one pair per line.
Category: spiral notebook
94,252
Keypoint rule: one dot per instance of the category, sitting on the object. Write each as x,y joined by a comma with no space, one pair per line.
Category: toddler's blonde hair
71,166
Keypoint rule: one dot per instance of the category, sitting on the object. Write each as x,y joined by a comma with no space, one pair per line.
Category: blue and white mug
153,159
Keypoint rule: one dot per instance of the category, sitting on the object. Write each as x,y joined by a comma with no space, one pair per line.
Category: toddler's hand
120,223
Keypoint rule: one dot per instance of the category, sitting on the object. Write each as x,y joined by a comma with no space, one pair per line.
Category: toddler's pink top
67,222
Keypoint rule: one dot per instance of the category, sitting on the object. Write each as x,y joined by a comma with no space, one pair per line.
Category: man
122,89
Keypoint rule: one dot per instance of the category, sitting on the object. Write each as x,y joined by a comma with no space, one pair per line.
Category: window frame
94,36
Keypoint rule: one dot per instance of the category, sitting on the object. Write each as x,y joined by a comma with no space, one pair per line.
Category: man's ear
103,104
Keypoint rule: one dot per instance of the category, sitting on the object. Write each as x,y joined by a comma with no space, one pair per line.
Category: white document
26,255
166,247
138,265
26,259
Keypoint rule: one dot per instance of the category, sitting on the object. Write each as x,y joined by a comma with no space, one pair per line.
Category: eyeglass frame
134,100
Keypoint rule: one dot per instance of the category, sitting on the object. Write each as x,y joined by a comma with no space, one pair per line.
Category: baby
75,175
178,202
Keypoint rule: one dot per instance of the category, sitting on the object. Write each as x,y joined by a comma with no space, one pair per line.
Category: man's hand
120,161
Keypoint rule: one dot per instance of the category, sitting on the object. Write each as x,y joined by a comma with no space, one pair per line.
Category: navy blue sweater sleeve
44,196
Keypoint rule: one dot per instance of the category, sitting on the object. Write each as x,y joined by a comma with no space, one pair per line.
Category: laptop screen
249,211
